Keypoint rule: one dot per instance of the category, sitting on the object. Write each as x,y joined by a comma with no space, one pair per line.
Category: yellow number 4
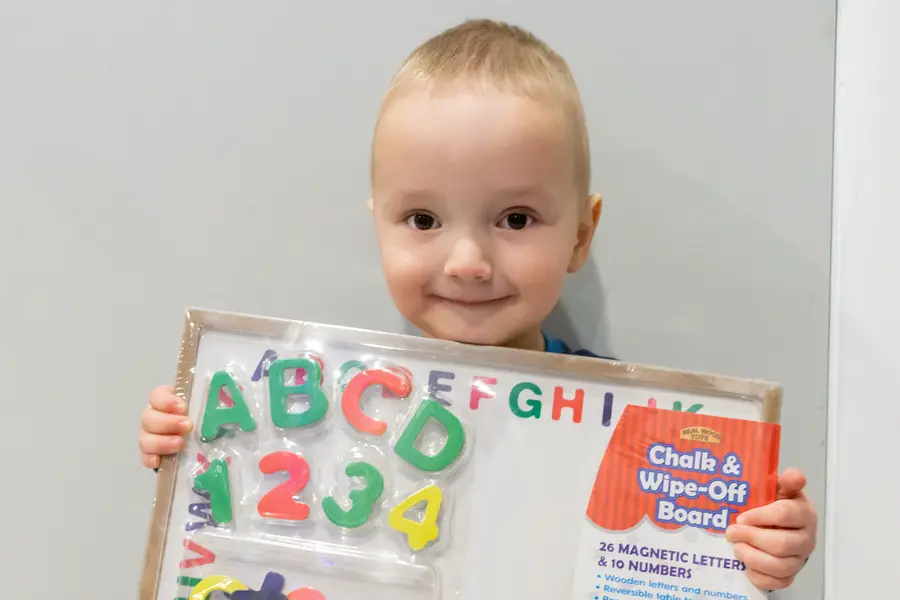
418,533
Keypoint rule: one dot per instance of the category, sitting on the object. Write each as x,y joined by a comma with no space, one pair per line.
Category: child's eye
516,220
422,221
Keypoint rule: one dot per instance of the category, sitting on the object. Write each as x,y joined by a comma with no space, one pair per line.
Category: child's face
478,214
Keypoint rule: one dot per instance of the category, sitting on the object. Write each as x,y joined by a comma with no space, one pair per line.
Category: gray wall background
216,153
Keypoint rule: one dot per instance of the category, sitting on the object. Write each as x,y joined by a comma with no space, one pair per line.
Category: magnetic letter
694,408
386,392
302,375
194,525
271,588
435,387
306,593
348,366
205,556
480,390
534,404
396,383
213,583
201,510
214,416
312,388
607,408
406,445
262,369
560,402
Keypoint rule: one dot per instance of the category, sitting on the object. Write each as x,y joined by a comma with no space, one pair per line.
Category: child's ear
586,227
370,203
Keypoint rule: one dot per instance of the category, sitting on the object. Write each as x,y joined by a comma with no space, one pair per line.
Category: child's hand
163,426
774,541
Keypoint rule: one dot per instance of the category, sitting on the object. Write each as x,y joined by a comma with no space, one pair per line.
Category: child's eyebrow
520,191
412,198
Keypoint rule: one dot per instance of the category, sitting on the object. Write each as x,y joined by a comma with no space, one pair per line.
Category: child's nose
468,261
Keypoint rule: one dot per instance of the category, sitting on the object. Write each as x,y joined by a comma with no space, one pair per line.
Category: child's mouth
473,302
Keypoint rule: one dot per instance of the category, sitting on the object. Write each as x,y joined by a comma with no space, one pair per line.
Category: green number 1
215,480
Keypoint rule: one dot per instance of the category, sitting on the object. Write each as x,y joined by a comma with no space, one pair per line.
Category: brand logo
701,434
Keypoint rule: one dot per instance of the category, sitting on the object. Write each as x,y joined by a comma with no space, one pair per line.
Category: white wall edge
831,447
864,324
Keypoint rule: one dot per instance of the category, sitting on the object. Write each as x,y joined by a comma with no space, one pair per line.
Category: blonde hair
507,58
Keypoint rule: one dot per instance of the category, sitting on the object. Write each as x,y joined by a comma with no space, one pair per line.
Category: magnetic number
418,533
215,480
361,501
279,503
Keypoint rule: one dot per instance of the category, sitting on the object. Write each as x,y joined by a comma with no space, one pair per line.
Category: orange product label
681,469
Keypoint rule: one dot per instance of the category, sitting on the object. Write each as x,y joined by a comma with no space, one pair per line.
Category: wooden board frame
197,320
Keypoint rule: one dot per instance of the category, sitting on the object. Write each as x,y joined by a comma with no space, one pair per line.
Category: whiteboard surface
522,487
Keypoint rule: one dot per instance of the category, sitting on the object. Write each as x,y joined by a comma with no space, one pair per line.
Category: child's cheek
542,264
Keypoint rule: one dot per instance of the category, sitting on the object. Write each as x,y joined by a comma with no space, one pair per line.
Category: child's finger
164,400
160,423
791,484
159,444
767,582
786,514
151,461
757,560
781,543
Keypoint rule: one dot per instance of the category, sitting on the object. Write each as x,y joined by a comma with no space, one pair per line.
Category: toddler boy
480,196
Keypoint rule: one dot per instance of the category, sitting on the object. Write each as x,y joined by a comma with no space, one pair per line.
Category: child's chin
475,338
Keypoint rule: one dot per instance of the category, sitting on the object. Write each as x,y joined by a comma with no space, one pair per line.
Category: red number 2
279,503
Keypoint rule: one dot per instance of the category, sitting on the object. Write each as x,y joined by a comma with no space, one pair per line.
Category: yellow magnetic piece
215,583
418,534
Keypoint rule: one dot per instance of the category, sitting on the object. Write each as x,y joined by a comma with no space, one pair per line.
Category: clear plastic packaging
329,463
277,568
